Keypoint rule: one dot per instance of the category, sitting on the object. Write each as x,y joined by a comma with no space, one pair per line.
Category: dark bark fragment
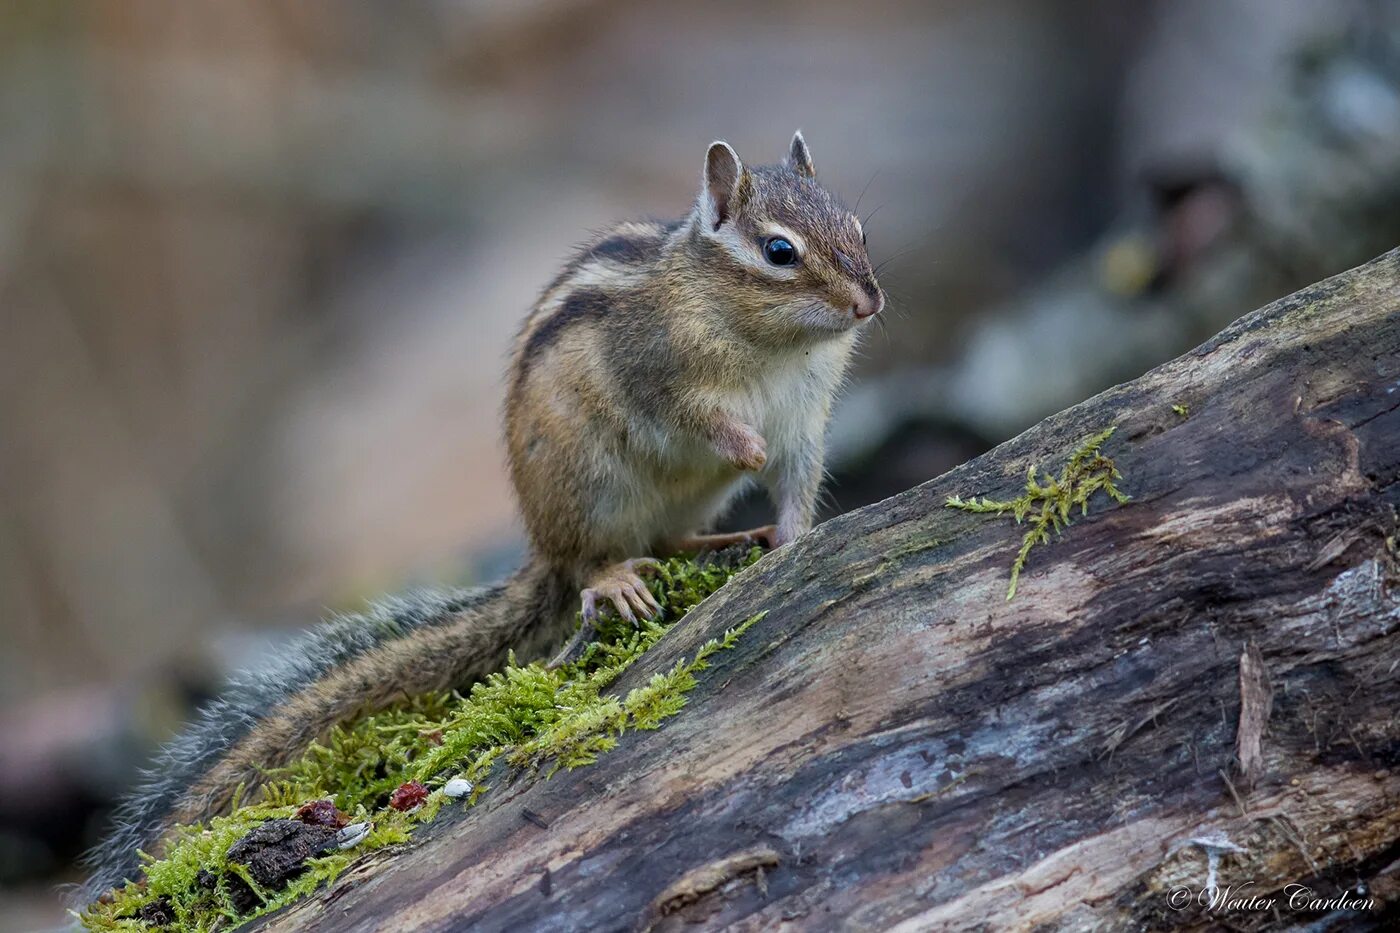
157,913
1256,703
276,851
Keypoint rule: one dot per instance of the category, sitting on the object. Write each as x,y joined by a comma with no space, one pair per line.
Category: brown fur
642,375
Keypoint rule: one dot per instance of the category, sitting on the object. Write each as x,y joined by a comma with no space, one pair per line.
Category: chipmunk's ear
724,181
800,157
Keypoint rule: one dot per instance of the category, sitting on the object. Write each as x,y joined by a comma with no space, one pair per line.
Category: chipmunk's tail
266,717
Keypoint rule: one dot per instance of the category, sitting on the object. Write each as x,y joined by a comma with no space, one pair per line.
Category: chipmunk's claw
621,585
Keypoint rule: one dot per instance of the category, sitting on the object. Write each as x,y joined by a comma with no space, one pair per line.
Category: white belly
666,486
646,502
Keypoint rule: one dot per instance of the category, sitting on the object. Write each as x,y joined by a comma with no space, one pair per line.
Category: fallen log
1195,691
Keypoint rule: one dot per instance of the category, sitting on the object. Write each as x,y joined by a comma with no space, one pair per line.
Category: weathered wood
896,745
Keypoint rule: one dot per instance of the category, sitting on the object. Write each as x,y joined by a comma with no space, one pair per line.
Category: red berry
408,795
321,813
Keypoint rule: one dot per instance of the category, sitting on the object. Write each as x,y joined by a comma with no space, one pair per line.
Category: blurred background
260,264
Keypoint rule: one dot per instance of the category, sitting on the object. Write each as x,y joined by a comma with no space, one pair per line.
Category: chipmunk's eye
779,251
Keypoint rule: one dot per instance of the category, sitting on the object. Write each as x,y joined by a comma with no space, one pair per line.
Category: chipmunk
665,366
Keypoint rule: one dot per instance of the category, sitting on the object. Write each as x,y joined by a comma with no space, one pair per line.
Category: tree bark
1206,675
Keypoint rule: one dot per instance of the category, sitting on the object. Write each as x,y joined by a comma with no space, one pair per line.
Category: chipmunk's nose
868,305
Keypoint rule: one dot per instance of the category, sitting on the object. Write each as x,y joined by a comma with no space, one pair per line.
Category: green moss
1183,411
521,717
1047,502
203,848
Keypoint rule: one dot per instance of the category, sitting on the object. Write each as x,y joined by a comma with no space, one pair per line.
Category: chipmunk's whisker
856,209
900,254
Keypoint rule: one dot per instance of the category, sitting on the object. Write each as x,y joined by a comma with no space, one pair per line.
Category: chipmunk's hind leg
765,535
623,586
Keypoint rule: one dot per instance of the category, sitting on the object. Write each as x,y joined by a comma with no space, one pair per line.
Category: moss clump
521,717
197,882
1047,502
1182,411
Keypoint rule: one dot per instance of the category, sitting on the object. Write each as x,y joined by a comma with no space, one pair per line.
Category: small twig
1233,793
1124,732
1288,828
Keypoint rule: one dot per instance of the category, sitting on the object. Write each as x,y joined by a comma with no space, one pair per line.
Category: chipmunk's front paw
742,446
